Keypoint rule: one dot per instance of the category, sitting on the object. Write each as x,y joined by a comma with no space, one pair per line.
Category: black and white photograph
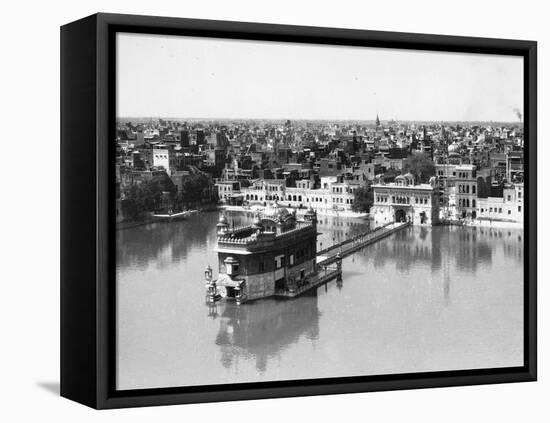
309,211
290,211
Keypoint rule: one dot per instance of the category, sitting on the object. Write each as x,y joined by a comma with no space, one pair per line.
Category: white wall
30,234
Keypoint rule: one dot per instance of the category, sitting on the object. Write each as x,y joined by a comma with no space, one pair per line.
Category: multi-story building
229,190
508,207
446,178
277,253
184,138
200,138
466,191
216,157
335,194
165,157
406,201
514,166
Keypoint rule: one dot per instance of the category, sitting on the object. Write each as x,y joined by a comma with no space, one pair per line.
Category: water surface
423,299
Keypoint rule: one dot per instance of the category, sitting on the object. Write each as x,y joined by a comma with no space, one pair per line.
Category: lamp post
210,285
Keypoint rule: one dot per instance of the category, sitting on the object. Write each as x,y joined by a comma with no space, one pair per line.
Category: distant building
216,158
165,157
335,194
508,207
229,191
201,140
466,191
514,166
405,201
184,138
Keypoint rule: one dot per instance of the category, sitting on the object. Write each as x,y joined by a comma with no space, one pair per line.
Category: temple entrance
422,218
400,216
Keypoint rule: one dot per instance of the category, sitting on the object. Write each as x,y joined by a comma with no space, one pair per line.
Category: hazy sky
172,76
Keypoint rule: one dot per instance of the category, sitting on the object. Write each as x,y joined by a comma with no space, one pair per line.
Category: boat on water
169,216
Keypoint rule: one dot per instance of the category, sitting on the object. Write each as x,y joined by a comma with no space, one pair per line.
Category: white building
458,186
228,190
466,191
335,194
164,157
405,201
508,208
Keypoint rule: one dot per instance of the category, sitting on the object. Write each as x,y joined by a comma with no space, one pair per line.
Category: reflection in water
467,247
423,299
264,329
160,242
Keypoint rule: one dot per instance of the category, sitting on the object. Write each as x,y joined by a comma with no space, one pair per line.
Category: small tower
222,225
311,215
258,223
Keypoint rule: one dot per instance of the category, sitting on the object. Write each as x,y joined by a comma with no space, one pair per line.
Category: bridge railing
359,237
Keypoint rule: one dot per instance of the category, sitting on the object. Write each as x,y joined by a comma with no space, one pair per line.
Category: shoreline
497,224
120,226
299,211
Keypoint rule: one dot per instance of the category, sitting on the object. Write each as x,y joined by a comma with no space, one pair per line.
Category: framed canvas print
256,211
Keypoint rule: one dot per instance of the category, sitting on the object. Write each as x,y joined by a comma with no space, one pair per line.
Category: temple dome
410,178
223,220
276,211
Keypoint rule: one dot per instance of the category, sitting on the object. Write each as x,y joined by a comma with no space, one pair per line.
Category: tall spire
377,121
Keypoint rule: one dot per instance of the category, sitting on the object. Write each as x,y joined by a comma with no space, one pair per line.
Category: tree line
163,195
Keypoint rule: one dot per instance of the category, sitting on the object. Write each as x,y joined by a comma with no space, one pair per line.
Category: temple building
405,201
276,253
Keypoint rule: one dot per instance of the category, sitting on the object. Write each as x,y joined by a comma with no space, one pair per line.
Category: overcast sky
188,77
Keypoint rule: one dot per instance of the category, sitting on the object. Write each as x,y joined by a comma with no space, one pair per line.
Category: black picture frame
87,210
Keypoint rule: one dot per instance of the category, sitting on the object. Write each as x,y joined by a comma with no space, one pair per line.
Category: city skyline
138,119
245,80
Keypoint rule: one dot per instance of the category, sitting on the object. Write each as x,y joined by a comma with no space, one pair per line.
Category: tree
363,200
193,188
147,196
421,166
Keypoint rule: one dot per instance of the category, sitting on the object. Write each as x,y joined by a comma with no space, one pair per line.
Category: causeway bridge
329,260
349,246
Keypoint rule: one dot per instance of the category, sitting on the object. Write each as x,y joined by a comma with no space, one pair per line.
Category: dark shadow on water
51,387
263,329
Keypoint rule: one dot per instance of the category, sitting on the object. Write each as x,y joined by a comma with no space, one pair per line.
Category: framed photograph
257,211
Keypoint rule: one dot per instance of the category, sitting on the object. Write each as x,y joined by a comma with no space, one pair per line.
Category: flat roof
418,187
